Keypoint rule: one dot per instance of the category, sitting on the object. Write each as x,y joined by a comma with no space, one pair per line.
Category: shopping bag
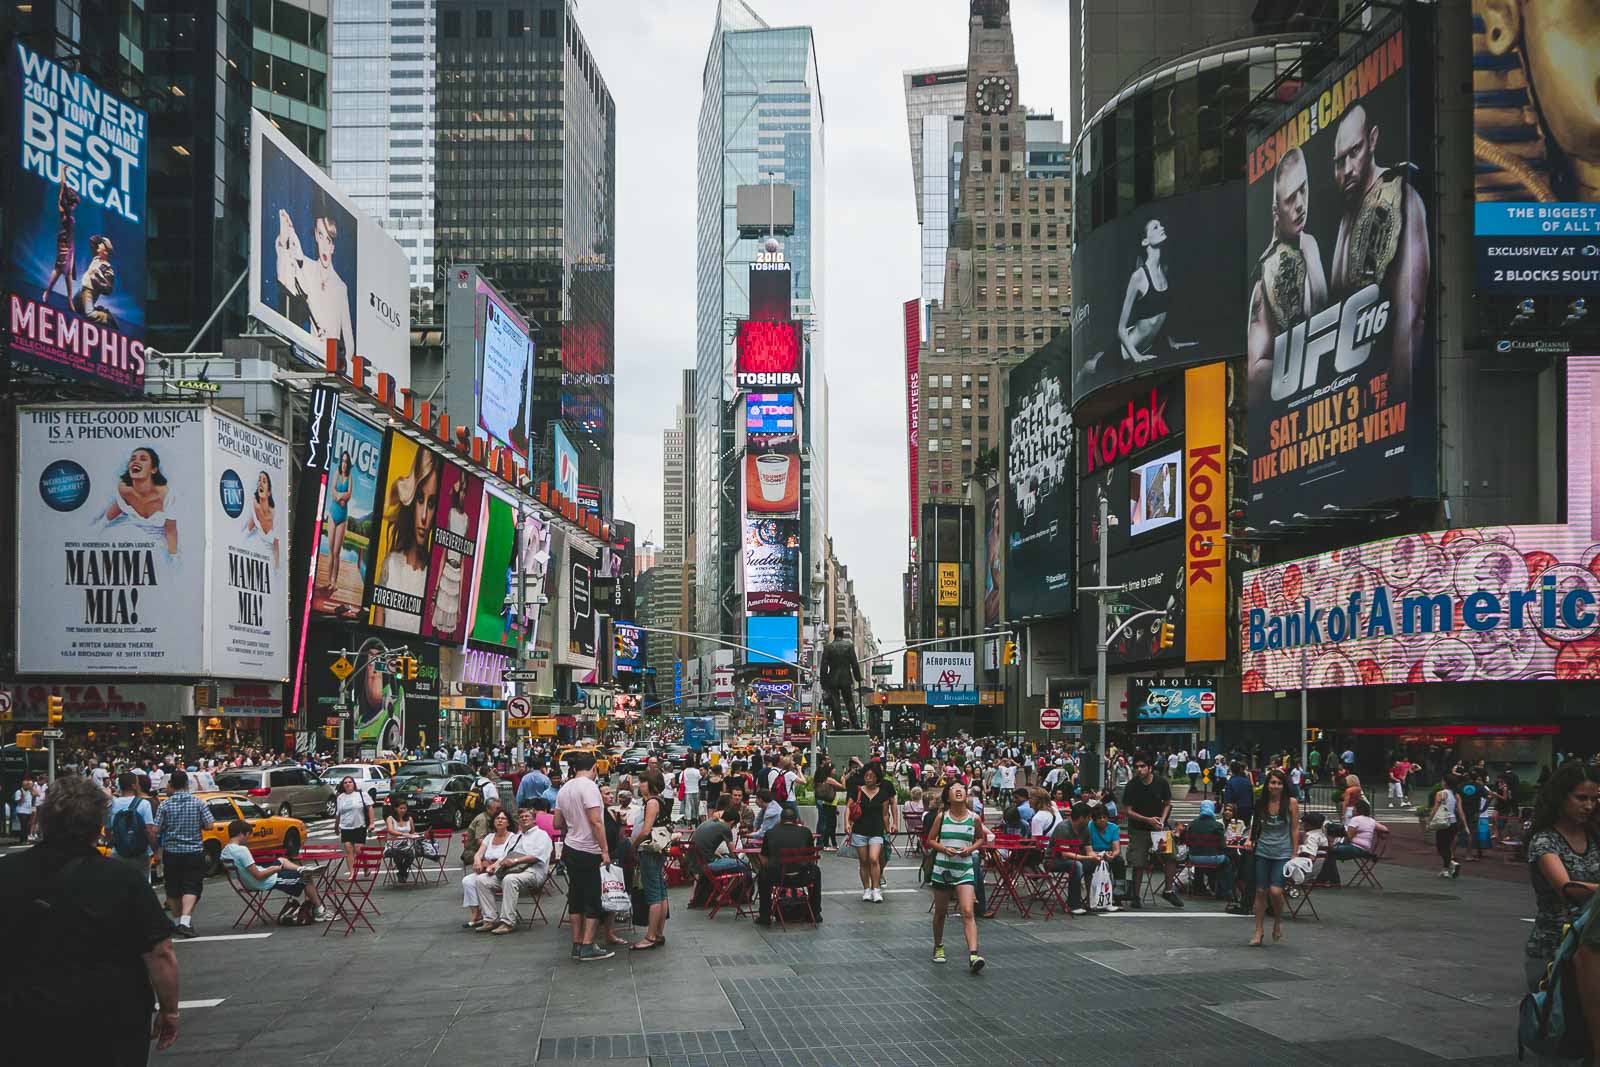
614,890
847,849
1158,841
1100,892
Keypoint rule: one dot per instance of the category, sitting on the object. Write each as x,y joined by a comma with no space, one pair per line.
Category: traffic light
331,733
1091,711
28,739
56,714
1009,655
1313,734
1169,636
409,665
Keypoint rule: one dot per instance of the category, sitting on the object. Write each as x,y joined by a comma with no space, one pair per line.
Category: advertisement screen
1147,431
768,355
772,638
1537,138
772,564
1171,699
628,640
75,225
505,370
1155,494
566,463
949,585
349,522
588,347
772,484
386,709
1039,483
580,596
1339,358
453,559
768,414
770,286
117,505
320,268
947,670
912,311
403,551
493,620
249,546
992,576
1154,289
1205,490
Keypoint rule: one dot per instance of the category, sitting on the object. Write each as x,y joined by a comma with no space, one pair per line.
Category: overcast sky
652,54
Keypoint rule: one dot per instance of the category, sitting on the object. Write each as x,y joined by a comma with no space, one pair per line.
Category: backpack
1550,1020
127,831
780,788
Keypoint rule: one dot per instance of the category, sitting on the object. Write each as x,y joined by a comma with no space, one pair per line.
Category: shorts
358,836
653,878
583,883
861,841
291,883
185,873
1269,873
1139,846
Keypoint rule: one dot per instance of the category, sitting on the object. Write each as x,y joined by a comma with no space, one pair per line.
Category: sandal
645,946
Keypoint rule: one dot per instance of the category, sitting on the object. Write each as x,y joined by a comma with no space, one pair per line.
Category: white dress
447,594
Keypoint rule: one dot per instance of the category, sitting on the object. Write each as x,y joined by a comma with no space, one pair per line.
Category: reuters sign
1206,490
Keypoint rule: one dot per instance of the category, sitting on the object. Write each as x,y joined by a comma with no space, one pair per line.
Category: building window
484,24
983,424
966,403
966,467
949,383
966,381
983,381
547,22
933,444
983,401
516,22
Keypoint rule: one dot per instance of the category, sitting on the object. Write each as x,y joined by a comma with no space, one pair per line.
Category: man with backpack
126,825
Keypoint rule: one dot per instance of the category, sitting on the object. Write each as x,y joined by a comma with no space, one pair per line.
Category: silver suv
286,789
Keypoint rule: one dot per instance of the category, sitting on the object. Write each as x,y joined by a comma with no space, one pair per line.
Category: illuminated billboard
772,564
768,355
769,414
1039,488
1155,494
772,638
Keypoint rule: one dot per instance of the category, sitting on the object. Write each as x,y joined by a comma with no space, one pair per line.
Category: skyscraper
761,119
934,97
525,186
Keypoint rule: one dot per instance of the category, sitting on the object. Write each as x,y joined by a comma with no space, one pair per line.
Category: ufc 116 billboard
1341,361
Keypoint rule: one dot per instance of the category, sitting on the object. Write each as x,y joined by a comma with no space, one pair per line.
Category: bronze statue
841,673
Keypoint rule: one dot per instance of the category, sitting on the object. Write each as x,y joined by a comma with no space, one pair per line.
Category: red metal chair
1052,888
1008,870
353,896
441,852
255,901
791,861
728,888
1367,866
1298,897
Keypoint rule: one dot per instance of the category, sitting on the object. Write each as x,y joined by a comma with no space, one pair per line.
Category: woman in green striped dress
954,839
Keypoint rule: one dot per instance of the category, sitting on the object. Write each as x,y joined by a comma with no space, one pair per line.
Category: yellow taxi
602,762
389,765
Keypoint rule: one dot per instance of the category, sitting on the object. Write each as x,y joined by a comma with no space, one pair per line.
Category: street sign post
520,707
341,668
517,722
52,735
1049,718
5,703
520,675
883,668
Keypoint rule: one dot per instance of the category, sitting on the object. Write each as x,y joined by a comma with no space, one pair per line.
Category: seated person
717,834
283,876
1105,839
788,834
1070,853
1313,841
1360,834
1205,837
913,807
404,845
523,869
1235,832
771,811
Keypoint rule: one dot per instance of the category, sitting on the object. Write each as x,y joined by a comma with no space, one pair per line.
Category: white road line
848,892
185,1005
1126,914
220,937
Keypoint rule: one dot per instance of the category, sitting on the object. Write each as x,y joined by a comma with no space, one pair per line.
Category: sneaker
182,930
1172,898
577,951
866,895
503,928
1111,908
322,915
975,962
594,952
938,954
1080,911
1455,870
1135,903
877,896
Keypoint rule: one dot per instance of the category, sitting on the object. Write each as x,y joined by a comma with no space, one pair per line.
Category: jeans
827,825
727,865
1221,869
1348,852
691,807
1076,880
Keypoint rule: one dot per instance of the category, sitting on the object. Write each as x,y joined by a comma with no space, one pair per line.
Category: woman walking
954,838
1275,835
1442,821
1563,860
869,820
352,811
653,861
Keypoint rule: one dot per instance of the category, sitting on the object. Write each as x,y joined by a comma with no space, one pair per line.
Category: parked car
634,760
371,779
436,799
287,789
437,768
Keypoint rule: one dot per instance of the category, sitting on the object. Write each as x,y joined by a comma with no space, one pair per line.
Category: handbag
658,842
1101,894
1440,819
825,793
614,899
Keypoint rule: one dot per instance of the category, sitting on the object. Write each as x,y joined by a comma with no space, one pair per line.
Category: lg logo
382,307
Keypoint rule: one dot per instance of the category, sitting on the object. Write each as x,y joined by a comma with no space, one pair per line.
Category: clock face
994,94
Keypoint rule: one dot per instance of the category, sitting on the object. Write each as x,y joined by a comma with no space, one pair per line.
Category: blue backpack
127,831
1550,1021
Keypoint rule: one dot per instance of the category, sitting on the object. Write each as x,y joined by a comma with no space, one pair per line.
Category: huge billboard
1340,360
453,560
769,414
1203,502
772,639
771,564
151,541
1497,603
564,458
387,710
75,225
1536,133
913,344
349,523
504,361
581,616
772,483
588,347
1154,289
947,670
1039,485
768,355
402,553
321,269
494,617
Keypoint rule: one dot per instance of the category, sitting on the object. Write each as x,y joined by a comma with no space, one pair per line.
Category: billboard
772,564
992,573
1039,485
1156,289
913,343
386,710
504,362
1205,494
453,559
768,355
321,269
588,347
1152,700
349,524
1340,361
494,620
75,225
565,463
771,284
772,484
772,638
628,642
1155,494
402,553
581,617
947,670
1537,140
150,542
769,414
949,585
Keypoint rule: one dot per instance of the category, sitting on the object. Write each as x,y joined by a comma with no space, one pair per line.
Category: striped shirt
955,833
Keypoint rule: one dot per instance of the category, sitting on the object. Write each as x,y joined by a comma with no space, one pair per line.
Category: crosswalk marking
220,937
185,1005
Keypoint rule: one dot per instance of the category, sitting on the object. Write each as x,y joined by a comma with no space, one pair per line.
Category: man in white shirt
1006,774
580,817
691,794
523,869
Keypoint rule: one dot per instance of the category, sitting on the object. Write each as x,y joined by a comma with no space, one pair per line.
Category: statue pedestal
842,744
